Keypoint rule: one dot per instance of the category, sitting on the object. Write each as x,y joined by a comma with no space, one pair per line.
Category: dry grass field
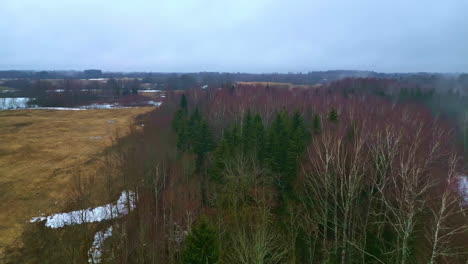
41,150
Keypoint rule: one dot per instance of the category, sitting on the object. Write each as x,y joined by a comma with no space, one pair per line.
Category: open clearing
41,150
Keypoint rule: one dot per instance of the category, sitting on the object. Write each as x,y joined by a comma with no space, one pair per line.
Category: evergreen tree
278,142
260,140
193,129
219,162
183,136
248,134
298,124
316,125
296,147
234,140
179,118
183,103
333,115
202,246
203,142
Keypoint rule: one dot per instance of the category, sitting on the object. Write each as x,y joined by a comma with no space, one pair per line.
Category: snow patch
463,187
9,103
95,252
149,91
125,202
154,103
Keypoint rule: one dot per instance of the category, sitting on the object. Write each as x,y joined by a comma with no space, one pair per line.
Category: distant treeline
177,79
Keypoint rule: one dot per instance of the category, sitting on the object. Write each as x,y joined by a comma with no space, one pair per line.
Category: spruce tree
183,103
219,162
260,138
298,123
248,134
333,115
203,142
202,246
296,147
234,140
316,125
278,142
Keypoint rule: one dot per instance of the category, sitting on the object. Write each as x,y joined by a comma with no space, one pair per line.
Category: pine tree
234,140
278,142
296,147
179,118
193,129
202,246
219,162
183,103
316,125
260,138
183,136
333,115
298,123
248,134
203,142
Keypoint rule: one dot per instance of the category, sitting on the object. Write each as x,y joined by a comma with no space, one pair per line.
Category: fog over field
232,36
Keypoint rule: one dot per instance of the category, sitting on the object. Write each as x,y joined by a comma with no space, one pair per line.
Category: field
42,150
4,89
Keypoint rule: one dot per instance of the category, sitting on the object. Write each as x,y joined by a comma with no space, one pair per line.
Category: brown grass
41,150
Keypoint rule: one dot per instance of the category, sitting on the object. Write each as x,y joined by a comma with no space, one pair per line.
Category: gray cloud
235,35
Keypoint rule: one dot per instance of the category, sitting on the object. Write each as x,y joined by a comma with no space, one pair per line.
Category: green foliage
202,246
316,125
260,138
248,134
183,103
219,162
333,115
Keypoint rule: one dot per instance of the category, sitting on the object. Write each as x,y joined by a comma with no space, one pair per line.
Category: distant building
92,74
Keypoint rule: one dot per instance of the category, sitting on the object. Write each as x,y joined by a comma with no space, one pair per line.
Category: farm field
40,153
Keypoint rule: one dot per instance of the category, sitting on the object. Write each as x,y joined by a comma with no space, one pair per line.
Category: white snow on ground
58,108
95,252
154,103
90,215
22,103
56,91
463,187
13,103
149,91
100,106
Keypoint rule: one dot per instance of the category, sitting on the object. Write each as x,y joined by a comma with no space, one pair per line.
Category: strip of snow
149,91
56,91
95,252
57,108
463,187
154,103
13,103
125,202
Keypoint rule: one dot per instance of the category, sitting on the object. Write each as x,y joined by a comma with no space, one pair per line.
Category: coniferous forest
257,174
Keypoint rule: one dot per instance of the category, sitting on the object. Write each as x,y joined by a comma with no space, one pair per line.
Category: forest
356,171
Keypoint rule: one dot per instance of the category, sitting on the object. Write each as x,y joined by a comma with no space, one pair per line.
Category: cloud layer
235,35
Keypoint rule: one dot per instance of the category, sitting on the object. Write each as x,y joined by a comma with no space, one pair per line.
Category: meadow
43,152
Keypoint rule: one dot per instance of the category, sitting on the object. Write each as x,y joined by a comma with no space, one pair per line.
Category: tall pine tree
202,246
316,125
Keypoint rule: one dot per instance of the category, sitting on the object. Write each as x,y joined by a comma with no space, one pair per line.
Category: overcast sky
237,35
